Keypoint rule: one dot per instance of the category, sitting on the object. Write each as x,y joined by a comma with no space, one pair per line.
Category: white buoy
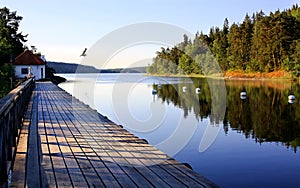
198,90
243,95
184,89
159,86
291,97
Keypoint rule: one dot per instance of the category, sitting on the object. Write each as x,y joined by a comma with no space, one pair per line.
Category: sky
61,29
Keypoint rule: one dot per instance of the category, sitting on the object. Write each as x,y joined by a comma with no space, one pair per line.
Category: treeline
11,45
11,40
260,43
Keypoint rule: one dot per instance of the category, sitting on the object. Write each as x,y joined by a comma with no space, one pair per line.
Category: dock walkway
65,143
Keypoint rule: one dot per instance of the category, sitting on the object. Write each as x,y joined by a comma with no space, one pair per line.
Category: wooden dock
65,143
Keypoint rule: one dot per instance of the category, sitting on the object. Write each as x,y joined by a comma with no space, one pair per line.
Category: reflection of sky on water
231,161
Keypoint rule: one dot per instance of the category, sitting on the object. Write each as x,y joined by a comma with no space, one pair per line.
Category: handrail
12,108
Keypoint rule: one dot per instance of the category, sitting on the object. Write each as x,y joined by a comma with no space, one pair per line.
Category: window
24,71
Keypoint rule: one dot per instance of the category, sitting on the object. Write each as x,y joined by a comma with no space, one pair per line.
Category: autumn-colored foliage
257,75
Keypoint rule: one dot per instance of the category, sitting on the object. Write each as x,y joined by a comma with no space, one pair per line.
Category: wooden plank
192,174
139,174
81,148
61,173
143,167
178,178
47,171
105,174
122,160
86,166
78,179
115,169
19,175
184,179
140,162
33,168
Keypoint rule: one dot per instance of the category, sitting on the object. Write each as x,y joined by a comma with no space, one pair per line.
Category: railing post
3,175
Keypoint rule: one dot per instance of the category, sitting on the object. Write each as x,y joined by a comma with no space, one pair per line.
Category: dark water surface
252,142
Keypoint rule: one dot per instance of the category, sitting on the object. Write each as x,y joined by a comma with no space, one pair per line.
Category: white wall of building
37,70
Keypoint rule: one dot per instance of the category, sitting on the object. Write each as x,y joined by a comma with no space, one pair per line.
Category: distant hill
61,67
133,70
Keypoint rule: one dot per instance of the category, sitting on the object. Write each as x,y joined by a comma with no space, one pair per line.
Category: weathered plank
101,168
75,166
33,166
61,173
19,173
77,147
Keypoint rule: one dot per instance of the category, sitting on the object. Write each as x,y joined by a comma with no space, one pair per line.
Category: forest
261,43
11,45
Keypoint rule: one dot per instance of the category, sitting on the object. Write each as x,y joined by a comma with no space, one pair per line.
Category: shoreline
239,75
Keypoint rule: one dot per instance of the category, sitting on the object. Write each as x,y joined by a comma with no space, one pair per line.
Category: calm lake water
249,142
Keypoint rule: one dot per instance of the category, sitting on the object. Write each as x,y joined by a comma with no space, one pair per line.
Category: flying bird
83,53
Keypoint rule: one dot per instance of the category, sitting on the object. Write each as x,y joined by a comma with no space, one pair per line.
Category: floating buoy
159,86
291,97
154,92
243,95
198,90
184,89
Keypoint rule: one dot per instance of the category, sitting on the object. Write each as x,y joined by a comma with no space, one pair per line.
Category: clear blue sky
62,29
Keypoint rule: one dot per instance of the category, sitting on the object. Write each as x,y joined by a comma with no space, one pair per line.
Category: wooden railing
12,108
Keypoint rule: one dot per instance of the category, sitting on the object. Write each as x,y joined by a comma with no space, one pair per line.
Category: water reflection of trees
188,101
265,115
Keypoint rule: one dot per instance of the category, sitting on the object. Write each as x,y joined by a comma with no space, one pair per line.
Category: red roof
28,58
